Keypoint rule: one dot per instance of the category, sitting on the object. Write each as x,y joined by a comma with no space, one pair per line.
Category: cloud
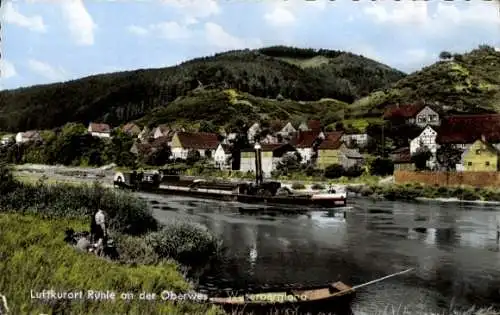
80,23
171,30
47,71
195,8
12,16
445,17
7,69
280,16
137,30
219,38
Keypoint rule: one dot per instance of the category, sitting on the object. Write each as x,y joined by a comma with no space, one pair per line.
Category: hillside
123,96
229,108
465,82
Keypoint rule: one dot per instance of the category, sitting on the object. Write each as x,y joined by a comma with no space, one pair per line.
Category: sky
46,41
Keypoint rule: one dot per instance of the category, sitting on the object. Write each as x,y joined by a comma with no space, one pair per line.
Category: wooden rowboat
334,296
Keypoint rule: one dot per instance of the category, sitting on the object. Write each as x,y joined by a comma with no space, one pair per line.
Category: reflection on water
453,248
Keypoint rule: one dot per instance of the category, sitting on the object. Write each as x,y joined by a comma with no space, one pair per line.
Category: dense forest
267,73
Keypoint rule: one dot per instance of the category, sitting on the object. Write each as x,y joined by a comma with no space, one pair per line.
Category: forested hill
297,74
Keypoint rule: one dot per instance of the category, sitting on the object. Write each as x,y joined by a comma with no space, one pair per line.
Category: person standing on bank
99,226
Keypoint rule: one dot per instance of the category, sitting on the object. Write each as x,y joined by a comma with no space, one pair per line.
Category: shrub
381,167
334,171
354,171
298,186
317,186
189,244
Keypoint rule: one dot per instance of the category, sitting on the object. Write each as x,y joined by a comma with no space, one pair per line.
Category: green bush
298,186
334,171
187,243
381,167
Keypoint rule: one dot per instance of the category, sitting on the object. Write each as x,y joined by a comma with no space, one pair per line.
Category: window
432,117
422,119
469,163
487,163
478,151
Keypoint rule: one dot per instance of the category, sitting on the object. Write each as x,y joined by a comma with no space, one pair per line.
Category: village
474,138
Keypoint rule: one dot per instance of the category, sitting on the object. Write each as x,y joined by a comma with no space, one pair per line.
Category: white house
252,132
28,136
412,114
305,141
287,130
271,154
99,130
222,156
427,138
205,143
160,131
360,139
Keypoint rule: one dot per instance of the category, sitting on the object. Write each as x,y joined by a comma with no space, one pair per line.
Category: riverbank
409,192
35,258
153,256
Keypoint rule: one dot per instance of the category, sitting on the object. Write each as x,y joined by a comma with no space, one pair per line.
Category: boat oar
356,287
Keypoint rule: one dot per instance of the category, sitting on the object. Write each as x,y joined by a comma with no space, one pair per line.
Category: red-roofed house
402,159
131,129
99,130
414,114
306,143
463,130
203,142
271,155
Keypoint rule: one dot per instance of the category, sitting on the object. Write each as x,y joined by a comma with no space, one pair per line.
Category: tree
445,55
288,164
334,171
193,156
448,156
381,167
421,157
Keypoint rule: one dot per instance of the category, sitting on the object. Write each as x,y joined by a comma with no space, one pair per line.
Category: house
8,139
228,138
160,131
145,135
203,142
427,138
222,156
402,160
463,130
140,148
252,132
270,139
306,143
131,129
481,157
350,157
360,140
271,155
328,150
99,130
287,130
413,114
28,136
310,125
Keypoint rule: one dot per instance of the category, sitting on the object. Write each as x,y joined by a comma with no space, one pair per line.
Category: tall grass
34,257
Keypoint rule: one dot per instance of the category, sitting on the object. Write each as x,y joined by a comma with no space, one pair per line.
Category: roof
163,128
403,111
131,128
314,125
98,127
198,140
305,139
401,155
160,141
31,134
225,147
331,141
463,129
352,153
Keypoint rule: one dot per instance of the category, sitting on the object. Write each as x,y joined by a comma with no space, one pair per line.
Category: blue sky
50,41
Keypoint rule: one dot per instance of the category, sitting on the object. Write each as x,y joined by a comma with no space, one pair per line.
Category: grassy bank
414,191
33,219
34,258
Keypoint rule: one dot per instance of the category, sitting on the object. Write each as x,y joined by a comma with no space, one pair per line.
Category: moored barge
269,193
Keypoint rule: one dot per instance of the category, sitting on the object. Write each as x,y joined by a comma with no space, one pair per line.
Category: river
453,248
